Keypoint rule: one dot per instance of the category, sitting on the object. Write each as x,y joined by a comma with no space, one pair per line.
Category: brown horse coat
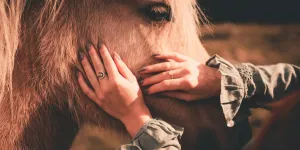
41,105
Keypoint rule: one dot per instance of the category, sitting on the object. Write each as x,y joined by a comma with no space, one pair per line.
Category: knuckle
115,84
107,89
147,68
188,70
166,74
104,92
189,83
185,71
165,83
100,97
167,66
85,91
176,54
98,65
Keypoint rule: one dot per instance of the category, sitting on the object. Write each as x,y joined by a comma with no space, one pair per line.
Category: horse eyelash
165,15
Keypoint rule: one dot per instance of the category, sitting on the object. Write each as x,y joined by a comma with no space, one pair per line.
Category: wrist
135,121
217,81
213,79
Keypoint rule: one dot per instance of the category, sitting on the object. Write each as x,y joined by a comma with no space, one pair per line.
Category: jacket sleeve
243,81
156,134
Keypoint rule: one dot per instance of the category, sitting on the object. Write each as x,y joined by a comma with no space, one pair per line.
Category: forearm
241,82
135,121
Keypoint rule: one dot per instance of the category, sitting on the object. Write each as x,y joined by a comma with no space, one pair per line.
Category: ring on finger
101,75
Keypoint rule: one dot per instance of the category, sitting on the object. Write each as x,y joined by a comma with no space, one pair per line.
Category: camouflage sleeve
243,81
156,134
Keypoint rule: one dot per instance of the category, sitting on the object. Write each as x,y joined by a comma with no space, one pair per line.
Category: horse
41,104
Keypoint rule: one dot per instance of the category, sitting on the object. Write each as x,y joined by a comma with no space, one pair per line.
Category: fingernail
143,69
78,74
155,55
147,91
81,55
141,82
117,56
88,46
102,46
99,44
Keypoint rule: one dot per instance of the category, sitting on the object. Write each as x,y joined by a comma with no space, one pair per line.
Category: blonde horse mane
10,18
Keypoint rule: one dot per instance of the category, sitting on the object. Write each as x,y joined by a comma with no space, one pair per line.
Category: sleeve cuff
155,133
232,88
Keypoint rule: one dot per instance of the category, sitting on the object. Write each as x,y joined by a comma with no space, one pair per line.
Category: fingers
123,69
97,63
168,75
86,89
166,85
180,95
161,67
89,71
109,63
172,55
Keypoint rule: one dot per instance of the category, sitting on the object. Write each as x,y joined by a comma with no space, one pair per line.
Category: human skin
181,77
118,93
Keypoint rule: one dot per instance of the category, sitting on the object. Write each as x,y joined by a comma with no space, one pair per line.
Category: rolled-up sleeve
243,81
156,134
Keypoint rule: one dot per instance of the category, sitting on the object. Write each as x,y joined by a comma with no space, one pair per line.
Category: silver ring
101,75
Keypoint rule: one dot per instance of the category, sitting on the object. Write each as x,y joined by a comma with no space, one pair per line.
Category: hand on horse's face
181,77
116,89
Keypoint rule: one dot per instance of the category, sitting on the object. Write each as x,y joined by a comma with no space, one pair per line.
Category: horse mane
10,16
15,38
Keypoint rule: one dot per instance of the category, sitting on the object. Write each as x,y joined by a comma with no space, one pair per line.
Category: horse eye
158,12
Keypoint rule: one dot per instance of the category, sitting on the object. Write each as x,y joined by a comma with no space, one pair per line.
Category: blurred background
257,31
249,11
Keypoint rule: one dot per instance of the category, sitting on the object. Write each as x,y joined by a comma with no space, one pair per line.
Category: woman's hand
115,88
181,77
